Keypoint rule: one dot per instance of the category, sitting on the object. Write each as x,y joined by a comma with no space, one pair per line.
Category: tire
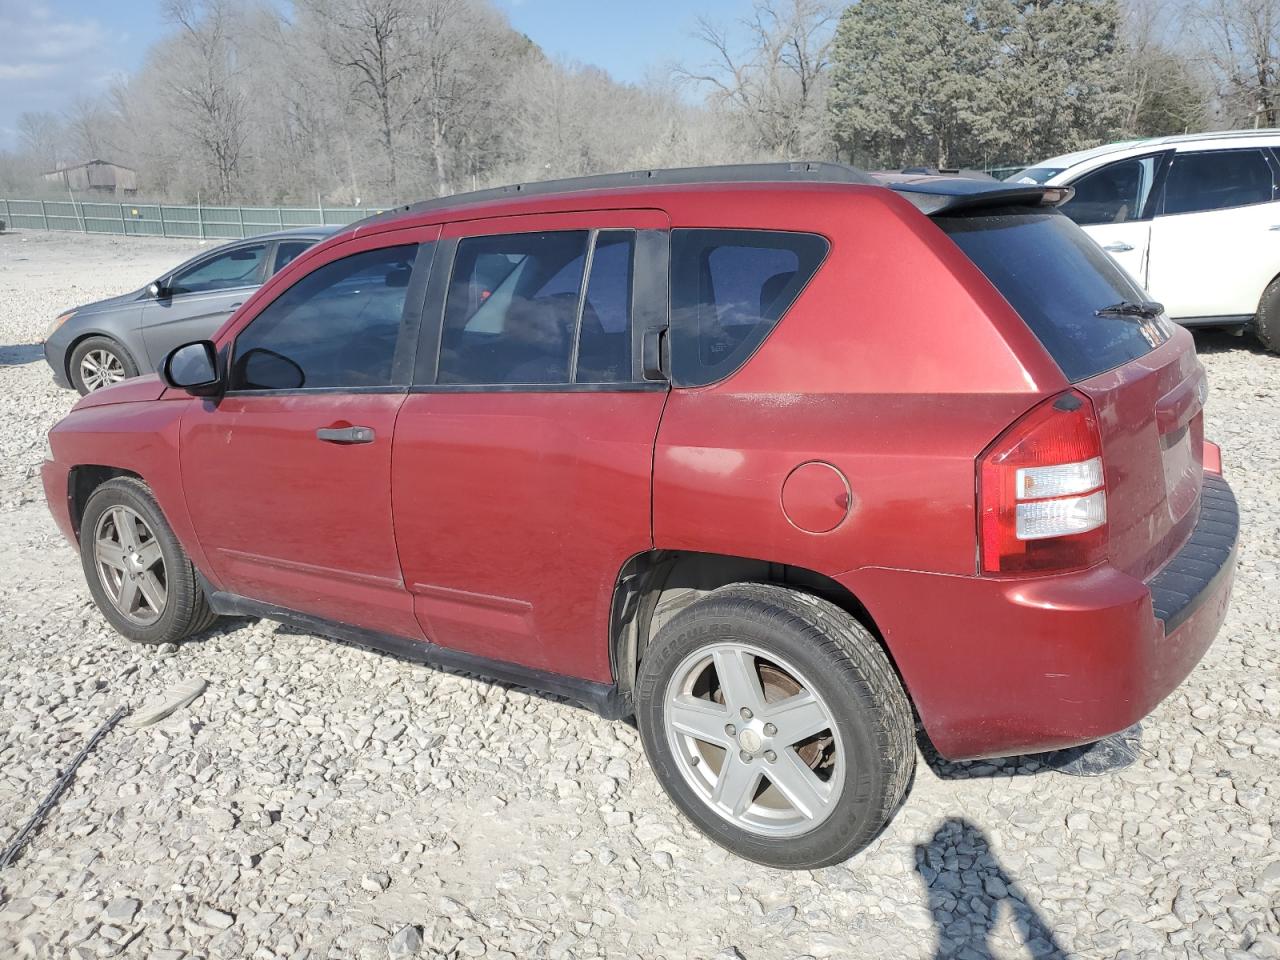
851,786
1266,326
97,362
162,601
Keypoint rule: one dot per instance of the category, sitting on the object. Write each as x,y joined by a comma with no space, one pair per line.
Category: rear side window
1056,278
1217,180
288,251
728,290
336,327
518,311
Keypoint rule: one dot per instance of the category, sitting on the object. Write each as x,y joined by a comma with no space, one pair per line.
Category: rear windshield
1056,278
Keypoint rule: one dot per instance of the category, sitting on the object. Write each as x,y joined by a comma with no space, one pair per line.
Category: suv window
516,309
1217,180
1117,193
336,327
728,290
241,267
288,251
1056,278
604,339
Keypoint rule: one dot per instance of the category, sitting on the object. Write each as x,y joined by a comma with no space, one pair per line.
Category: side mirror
193,367
263,369
157,291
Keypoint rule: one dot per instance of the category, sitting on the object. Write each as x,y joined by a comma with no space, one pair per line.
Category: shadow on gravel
968,888
17,354
1220,341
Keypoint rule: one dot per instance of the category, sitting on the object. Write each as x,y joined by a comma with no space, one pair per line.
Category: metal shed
95,176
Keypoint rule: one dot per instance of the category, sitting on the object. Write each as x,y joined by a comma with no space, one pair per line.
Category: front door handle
236,306
345,434
1119,246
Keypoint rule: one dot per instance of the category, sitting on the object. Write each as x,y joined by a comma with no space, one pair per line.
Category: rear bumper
1003,667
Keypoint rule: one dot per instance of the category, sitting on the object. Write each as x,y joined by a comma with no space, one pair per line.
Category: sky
56,50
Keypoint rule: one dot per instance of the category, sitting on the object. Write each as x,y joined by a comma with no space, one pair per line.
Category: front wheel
98,362
138,573
776,723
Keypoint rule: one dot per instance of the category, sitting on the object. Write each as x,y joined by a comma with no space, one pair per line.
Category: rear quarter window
729,288
1057,279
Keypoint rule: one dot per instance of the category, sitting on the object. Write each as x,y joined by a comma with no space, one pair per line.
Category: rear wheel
98,362
1267,323
776,724
138,573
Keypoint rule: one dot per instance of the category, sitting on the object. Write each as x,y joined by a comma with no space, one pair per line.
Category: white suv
1195,219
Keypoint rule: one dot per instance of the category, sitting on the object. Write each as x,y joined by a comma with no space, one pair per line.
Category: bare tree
201,81
778,82
43,136
1242,45
1168,91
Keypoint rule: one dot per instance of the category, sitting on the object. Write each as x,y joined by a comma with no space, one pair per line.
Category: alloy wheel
130,565
754,739
100,368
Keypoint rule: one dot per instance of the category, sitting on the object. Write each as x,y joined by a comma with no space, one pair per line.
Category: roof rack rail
806,171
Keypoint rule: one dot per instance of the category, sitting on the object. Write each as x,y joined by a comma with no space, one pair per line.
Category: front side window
241,267
728,290
1116,193
336,327
1217,180
518,310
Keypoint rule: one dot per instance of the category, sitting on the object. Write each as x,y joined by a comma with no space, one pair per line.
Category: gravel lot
320,800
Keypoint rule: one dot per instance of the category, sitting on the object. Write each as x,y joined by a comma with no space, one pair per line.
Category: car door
522,474
288,474
197,299
1215,242
1113,204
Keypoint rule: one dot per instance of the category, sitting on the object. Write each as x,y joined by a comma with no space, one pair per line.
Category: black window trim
1266,156
649,305
403,359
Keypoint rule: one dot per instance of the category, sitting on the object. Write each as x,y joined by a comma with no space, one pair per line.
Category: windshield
1058,280
1034,175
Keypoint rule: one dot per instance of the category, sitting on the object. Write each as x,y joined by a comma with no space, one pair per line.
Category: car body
1195,219
785,397
189,302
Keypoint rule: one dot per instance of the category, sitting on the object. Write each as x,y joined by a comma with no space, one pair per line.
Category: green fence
156,220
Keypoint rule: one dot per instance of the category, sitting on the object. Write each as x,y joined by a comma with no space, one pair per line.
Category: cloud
50,58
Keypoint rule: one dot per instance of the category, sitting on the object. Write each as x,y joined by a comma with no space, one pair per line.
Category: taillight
1042,499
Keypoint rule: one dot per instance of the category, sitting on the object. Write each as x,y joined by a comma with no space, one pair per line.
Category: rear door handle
345,434
1119,246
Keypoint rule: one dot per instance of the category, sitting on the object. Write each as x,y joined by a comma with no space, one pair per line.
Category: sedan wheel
130,565
100,368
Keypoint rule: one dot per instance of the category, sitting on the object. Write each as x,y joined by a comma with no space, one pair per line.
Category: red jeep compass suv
772,457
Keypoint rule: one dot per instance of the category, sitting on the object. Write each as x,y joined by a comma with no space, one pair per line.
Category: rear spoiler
938,196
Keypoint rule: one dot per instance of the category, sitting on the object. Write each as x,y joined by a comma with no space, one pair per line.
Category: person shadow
968,890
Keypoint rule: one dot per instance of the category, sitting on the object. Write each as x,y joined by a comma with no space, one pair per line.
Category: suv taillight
1042,501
